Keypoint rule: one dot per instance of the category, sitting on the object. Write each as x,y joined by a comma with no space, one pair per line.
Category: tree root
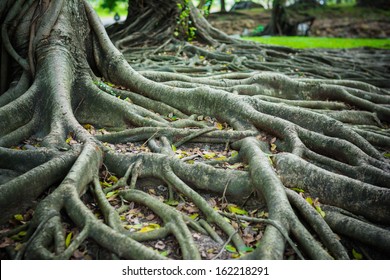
298,130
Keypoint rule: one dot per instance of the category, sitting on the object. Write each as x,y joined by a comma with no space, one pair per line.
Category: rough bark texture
285,20
304,123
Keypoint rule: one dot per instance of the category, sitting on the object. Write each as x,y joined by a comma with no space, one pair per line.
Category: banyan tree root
315,150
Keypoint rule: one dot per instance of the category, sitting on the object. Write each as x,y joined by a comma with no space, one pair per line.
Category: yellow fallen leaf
18,217
220,158
356,255
150,227
236,210
68,239
194,216
88,126
309,200
113,178
110,194
234,153
209,155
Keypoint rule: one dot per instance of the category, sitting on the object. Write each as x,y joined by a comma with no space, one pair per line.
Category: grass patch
121,9
321,42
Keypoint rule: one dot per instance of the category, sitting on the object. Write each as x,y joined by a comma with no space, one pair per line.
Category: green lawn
321,42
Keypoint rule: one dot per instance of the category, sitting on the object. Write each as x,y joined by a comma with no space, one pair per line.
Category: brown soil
374,24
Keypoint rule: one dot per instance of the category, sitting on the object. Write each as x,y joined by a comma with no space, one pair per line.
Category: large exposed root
314,148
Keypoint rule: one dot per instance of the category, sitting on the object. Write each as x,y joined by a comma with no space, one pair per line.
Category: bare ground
334,23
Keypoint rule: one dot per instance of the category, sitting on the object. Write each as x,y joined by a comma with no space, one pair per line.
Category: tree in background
381,4
206,5
158,22
285,20
86,139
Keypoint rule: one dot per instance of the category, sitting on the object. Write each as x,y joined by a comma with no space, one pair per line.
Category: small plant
184,24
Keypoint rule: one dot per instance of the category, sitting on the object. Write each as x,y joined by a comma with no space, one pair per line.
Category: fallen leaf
165,253
298,190
19,217
356,255
111,194
78,255
209,155
309,200
236,210
68,239
68,140
105,184
88,126
219,126
212,202
196,236
113,179
6,242
137,226
171,202
231,248
150,217
248,238
191,209
220,158
320,211
194,216
235,225
150,227
160,245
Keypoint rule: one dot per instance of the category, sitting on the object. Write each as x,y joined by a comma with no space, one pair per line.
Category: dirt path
353,23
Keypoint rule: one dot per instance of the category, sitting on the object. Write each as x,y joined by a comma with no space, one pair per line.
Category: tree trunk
285,21
87,142
380,4
160,22
223,8
279,24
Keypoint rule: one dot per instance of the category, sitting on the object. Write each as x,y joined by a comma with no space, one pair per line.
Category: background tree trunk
223,8
380,4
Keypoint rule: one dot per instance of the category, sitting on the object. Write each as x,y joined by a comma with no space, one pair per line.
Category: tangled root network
225,149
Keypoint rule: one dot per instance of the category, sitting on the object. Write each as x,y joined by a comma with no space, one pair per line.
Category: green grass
321,42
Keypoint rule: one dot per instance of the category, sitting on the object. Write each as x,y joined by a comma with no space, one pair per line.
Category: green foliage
184,24
111,4
206,7
106,8
356,255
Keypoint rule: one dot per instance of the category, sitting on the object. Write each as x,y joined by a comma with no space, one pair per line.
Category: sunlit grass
321,42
